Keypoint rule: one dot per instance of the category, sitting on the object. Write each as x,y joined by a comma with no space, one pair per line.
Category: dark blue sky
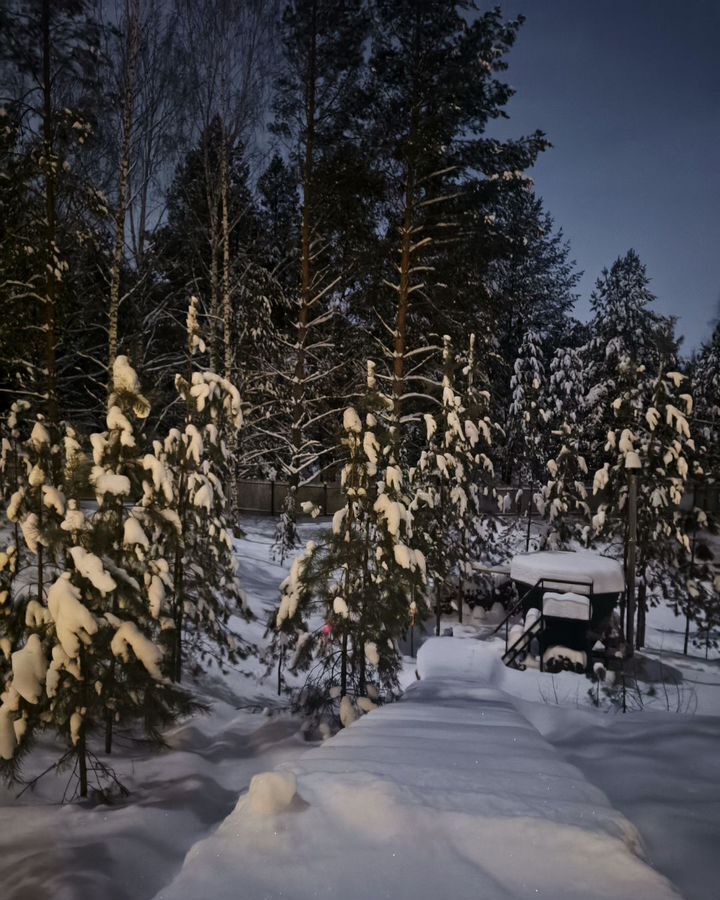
628,91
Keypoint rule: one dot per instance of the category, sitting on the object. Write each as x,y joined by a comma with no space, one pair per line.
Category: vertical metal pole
272,498
692,568
529,518
631,557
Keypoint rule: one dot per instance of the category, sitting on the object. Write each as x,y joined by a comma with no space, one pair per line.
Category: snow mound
271,792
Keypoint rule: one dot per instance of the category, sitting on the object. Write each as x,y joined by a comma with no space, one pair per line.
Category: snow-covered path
451,792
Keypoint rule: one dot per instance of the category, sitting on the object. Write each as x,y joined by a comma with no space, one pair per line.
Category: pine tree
700,603
87,653
433,91
50,61
362,583
453,473
531,280
706,390
205,593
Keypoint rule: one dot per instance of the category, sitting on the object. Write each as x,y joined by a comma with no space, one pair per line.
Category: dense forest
281,240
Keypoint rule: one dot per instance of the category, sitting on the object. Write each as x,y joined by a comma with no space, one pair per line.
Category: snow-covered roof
605,574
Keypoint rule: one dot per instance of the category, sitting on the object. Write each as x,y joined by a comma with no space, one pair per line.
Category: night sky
628,92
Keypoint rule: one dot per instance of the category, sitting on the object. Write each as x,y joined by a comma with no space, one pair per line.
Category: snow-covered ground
450,791
129,850
484,781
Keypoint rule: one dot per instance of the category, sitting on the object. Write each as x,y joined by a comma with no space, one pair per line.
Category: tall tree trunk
132,13
50,216
214,295
306,279
214,240
228,346
403,299
226,297
82,761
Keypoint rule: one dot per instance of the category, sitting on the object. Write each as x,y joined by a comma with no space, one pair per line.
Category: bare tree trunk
226,297
50,216
403,300
228,344
132,15
214,240
82,761
306,279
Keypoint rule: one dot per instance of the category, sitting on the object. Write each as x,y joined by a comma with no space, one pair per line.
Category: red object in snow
327,629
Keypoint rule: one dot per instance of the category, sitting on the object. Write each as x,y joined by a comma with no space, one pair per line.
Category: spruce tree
563,498
650,426
528,415
624,327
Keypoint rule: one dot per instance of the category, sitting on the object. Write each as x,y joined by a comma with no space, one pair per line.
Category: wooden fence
266,498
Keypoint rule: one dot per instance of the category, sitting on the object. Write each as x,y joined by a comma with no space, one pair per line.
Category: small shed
567,601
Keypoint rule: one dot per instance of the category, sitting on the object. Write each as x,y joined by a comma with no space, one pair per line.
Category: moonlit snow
451,792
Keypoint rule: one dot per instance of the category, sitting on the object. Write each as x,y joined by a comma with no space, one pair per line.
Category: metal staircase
514,653
521,645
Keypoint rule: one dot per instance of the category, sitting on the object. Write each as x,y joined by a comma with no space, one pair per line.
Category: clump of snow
371,653
106,482
53,498
348,713
133,533
91,567
76,721
74,623
31,532
351,421
8,737
271,792
340,607
128,636
29,667
39,437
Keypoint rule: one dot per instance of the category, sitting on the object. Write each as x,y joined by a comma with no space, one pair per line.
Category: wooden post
631,559
272,498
